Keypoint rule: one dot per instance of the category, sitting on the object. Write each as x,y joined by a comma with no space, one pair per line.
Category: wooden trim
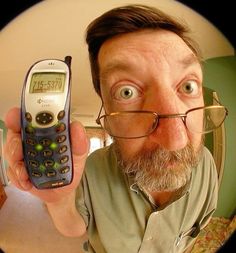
3,195
219,146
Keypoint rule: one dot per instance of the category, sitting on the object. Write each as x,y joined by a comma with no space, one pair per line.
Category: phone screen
47,82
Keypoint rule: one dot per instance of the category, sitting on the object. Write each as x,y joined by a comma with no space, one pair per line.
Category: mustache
163,158
160,169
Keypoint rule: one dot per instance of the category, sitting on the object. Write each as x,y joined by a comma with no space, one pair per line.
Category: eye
126,92
190,87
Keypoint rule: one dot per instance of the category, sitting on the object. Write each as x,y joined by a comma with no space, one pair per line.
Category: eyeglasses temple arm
98,117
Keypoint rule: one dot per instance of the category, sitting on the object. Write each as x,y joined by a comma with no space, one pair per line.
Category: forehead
161,46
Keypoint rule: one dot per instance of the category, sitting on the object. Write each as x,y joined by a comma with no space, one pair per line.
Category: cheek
195,140
108,102
130,147
195,121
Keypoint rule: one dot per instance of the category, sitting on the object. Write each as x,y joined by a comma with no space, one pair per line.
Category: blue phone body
45,120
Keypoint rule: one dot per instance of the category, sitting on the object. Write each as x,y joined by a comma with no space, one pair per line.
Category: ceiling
56,28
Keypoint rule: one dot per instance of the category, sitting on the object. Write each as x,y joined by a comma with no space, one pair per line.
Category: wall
29,38
3,163
2,126
220,75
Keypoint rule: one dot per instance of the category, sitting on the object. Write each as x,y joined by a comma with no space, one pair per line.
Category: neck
162,198
166,197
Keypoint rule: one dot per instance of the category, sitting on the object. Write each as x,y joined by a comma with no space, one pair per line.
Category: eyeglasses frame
157,116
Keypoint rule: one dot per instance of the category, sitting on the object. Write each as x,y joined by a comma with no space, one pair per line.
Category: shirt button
149,238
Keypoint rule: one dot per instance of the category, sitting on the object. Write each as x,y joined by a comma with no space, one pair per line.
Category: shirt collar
183,191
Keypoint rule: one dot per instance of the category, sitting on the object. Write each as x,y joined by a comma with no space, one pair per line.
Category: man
155,187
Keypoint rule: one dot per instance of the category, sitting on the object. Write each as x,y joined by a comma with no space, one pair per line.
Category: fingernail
14,146
17,169
17,172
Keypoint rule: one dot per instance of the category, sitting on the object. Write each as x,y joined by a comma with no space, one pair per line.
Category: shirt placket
150,235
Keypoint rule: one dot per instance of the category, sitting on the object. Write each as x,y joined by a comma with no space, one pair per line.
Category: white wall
55,28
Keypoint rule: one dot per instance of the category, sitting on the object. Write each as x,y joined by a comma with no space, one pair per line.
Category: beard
159,169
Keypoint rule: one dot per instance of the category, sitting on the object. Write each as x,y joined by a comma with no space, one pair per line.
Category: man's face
154,71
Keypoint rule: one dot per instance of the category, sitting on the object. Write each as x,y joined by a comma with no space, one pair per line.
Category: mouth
170,165
170,160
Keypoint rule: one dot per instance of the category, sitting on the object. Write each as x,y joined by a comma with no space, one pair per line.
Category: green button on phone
38,147
53,146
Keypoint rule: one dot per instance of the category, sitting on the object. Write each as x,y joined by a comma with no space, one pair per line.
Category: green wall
220,75
2,126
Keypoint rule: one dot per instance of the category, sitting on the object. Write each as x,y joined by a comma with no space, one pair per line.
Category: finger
12,119
13,148
80,147
12,178
19,176
79,140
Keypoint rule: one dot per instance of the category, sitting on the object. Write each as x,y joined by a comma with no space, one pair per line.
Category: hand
14,154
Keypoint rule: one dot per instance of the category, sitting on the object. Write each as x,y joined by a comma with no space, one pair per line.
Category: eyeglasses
137,124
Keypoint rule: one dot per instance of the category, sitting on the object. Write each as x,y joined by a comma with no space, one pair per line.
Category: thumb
79,140
80,148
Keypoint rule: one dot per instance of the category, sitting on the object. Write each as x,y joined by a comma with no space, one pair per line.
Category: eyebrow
117,65
189,60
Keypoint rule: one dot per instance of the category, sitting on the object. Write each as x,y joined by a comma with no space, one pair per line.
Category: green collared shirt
122,218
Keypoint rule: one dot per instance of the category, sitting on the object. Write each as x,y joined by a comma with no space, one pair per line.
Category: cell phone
45,118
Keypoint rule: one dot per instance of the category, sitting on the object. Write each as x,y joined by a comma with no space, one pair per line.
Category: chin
159,169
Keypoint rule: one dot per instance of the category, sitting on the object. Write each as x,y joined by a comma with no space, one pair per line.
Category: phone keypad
47,153
60,138
36,174
47,156
31,153
48,148
29,130
28,117
64,169
30,141
60,128
44,118
61,115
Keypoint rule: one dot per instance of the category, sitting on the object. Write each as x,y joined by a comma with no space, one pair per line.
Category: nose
170,134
